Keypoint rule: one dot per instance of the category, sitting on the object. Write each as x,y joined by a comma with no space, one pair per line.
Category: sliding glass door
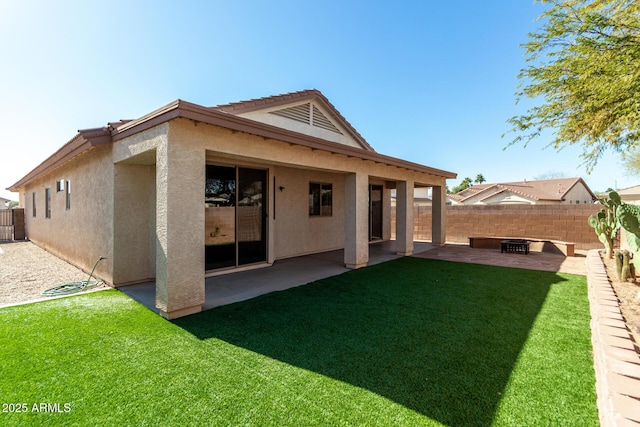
235,216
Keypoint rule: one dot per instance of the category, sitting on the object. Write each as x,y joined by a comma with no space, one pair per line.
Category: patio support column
180,180
438,217
404,218
356,220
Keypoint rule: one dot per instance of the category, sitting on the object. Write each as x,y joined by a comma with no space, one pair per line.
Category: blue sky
428,81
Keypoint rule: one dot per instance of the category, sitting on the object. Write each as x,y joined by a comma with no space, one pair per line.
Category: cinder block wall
554,222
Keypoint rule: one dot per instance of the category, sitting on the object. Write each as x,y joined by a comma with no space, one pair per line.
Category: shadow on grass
440,338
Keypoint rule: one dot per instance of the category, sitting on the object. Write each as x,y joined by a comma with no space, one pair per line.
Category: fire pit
519,246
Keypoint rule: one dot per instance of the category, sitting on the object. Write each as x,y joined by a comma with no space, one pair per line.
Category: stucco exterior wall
296,232
84,232
293,232
230,144
135,218
578,195
180,219
134,212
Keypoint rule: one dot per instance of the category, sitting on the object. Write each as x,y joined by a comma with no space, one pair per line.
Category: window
33,203
60,186
320,199
47,203
68,195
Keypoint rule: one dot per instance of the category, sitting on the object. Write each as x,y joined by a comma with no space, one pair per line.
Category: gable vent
308,114
299,113
321,121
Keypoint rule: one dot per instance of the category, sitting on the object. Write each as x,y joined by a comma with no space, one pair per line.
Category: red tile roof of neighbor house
89,138
545,189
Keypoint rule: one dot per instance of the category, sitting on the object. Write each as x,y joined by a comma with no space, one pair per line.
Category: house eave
88,138
187,110
84,140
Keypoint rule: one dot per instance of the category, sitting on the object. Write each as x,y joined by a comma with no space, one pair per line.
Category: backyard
407,342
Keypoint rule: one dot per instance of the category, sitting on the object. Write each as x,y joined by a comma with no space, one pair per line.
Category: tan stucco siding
296,232
84,232
141,147
578,195
135,205
135,223
293,231
249,147
180,219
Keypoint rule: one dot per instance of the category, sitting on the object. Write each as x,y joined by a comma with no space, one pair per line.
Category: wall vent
308,114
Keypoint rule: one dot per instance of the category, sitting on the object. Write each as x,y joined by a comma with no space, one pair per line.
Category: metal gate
12,225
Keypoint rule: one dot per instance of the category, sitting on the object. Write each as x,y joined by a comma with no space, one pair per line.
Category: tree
631,162
466,183
585,66
551,174
479,179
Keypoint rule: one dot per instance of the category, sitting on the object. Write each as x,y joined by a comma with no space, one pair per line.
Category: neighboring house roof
87,139
456,197
538,190
630,191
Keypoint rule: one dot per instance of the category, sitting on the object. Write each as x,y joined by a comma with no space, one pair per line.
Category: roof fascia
83,141
479,192
508,190
210,116
89,138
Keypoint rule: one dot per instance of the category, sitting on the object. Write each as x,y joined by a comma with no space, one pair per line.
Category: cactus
619,263
607,223
624,266
629,219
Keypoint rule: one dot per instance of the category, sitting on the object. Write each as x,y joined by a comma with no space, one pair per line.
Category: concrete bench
536,245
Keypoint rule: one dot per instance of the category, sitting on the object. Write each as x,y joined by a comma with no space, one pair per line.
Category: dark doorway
235,216
375,212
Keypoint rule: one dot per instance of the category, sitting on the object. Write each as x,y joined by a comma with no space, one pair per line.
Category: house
630,195
421,196
4,203
188,191
538,192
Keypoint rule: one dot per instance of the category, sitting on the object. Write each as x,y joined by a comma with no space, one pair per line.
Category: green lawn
408,342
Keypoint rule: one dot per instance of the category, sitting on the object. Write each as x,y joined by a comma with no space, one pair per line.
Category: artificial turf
407,342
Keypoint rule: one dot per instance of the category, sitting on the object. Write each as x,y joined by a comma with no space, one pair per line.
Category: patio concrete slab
533,261
283,274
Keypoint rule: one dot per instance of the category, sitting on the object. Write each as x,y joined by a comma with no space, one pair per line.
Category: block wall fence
566,223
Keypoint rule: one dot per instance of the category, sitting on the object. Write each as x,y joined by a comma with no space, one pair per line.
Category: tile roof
545,189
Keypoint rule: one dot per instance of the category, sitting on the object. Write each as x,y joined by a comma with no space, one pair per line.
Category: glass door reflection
220,217
235,216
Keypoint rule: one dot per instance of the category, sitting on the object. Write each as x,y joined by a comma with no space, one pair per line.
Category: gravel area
628,294
26,270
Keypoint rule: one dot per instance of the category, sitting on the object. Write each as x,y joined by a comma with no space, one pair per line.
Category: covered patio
283,274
